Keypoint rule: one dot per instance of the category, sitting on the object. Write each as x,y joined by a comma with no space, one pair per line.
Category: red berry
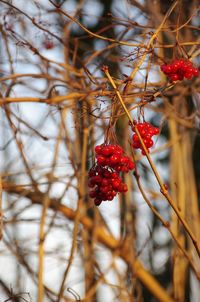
98,149
131,165
110,197
105,182
147,125
149,143
168,69
156,131
106,150
181,62
188,75
195,72
143,152
92,194
96,179
114,175
115,159
118,168
97,201
116,183
136,145
175,67
101,160
140,126
163,67
91,184
91,173
124,160
105,189
135,138
174,77
190,70
114,193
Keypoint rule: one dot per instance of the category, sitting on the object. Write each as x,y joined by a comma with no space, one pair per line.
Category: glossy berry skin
146,131
113,157
179,69
105,184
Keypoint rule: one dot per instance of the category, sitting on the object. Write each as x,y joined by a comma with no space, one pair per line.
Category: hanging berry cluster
105,183
104,176
179,69
146,131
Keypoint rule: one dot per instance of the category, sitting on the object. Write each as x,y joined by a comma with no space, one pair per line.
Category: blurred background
56,106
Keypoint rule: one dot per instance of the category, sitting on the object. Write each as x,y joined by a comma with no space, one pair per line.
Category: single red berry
155,130
106,150
147,125
124,160
135,138
131,165
181,62
115,159
174,77
91,173
190,70
105,189
105,182
114,193
110,197
175,67
91,184
96,179
168,69
140,126
143,152
92,194
101,160
97,201
116,183
143,132
114,175
118,168
163,67
118,150
195,72
98,149
136,145
188,75
149,143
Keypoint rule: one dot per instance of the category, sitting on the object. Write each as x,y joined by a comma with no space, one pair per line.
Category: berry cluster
113,156
104,176
48,43
180,69
105,183
146,131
